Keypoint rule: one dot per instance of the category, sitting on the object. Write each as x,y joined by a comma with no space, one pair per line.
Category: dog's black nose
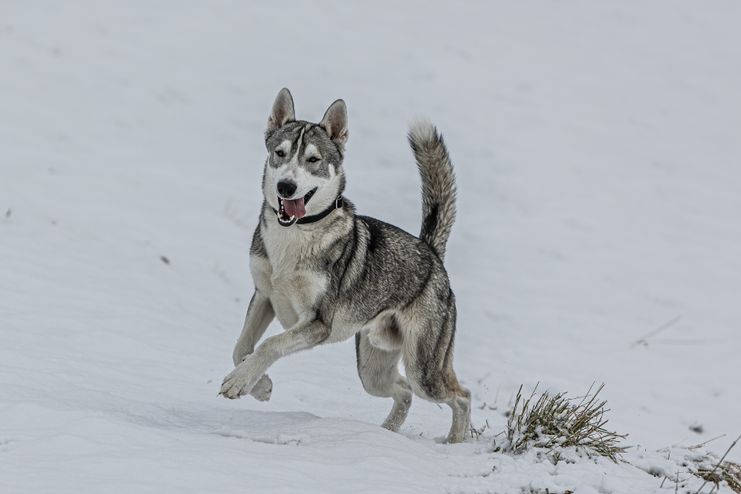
286,188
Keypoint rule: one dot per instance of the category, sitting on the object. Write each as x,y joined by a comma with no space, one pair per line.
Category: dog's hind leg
259,315
428,359
378,369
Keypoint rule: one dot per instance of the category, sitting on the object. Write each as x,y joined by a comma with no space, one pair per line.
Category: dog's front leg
259,315
303,335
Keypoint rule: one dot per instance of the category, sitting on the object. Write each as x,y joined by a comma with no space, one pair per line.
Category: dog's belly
343,328
345,324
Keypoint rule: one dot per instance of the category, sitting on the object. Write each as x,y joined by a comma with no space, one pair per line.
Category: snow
597,152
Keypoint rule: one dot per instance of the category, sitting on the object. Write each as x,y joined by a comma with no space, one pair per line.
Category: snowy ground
598,154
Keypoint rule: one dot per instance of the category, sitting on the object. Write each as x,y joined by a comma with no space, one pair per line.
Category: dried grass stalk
726,471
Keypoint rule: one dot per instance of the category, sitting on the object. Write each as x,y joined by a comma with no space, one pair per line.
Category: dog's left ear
335,122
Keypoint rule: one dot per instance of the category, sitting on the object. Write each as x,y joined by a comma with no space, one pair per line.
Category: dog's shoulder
257,248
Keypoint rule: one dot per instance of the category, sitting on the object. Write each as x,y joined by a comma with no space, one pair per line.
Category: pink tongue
295,207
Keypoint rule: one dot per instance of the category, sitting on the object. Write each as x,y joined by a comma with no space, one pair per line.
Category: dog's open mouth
290,210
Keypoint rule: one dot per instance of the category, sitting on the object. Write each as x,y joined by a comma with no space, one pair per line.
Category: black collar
337,204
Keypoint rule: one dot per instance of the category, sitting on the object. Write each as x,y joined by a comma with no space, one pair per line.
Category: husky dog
328,274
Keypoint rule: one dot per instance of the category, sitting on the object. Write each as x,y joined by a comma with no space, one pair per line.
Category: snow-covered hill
599,165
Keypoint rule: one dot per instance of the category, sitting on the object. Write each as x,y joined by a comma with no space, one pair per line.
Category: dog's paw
238,383
262,389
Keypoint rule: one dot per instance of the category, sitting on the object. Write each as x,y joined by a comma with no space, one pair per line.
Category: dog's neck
335,216
287,247
306,220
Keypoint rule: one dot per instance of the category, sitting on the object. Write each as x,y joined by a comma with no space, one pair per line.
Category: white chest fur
294,283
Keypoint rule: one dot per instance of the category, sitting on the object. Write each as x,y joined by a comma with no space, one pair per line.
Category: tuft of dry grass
552,421
722,471
726,471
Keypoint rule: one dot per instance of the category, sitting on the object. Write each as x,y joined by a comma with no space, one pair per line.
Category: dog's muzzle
291,210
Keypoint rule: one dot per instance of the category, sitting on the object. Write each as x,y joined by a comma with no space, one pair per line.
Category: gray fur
438,185
351,275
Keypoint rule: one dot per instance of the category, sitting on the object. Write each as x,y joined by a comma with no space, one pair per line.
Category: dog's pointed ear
282,112
335,122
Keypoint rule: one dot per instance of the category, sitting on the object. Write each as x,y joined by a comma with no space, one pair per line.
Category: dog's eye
313,159
280,153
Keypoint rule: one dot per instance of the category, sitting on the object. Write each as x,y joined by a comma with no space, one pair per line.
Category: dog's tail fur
438,185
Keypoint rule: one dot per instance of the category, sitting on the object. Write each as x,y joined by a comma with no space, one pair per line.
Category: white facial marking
284,146
311,150
284,172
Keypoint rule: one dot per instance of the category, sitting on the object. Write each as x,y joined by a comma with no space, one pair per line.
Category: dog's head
303,171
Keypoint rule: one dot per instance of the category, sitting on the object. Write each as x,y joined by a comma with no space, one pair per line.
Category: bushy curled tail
438,184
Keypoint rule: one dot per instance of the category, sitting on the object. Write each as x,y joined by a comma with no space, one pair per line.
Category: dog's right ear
282,111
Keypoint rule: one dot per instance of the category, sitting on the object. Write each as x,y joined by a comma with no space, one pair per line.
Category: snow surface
598,156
